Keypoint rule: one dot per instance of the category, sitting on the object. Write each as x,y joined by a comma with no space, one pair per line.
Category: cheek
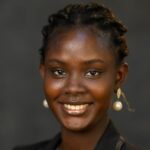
102,91
52,88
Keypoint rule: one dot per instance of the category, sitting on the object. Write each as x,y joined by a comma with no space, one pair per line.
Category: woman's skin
80,76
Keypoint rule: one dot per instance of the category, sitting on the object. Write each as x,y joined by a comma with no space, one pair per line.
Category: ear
121,75
42,70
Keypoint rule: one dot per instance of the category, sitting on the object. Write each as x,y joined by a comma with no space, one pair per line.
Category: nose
74,85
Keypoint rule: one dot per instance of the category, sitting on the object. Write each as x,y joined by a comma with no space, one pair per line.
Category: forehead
80,43
80,33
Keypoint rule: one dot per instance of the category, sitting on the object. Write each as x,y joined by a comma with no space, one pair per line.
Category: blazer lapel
109,139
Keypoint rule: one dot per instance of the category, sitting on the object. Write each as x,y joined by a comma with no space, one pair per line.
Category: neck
82,140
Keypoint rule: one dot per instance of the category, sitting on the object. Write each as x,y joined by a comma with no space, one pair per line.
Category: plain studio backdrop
23,119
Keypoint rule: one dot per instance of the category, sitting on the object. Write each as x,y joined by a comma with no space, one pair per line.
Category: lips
75,106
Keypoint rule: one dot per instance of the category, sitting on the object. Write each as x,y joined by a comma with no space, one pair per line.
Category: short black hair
92,14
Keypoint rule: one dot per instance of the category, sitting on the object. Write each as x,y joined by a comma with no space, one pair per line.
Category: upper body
82,67
111,140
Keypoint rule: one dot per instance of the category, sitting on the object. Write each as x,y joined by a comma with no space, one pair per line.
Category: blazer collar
109,139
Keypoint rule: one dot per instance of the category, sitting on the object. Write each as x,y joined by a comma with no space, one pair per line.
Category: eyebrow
55,61
93,61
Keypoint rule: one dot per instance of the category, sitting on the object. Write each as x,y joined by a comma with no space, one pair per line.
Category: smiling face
79,76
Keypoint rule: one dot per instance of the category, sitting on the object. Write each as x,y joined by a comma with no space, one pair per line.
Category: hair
90,14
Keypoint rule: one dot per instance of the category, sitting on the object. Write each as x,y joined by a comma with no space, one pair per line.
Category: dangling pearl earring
45,104
117,105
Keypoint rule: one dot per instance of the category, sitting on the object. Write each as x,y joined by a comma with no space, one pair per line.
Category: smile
75,109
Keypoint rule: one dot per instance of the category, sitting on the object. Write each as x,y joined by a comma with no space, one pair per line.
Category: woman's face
80,76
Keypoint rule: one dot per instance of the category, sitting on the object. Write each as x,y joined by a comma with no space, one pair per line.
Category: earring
45,104
117,105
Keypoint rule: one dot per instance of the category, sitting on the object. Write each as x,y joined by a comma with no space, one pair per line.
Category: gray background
22,117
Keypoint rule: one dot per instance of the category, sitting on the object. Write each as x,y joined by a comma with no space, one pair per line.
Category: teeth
75,107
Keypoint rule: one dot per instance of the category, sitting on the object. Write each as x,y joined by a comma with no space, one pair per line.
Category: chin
77,124
75,128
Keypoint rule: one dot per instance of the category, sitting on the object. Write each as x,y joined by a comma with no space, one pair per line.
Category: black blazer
111,140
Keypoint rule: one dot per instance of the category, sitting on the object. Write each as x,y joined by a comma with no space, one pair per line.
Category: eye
58,72
93,73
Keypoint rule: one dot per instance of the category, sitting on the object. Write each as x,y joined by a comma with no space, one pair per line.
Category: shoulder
42,145
128,146
123,144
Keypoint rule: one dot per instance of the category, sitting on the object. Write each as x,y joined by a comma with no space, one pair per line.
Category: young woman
82,67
